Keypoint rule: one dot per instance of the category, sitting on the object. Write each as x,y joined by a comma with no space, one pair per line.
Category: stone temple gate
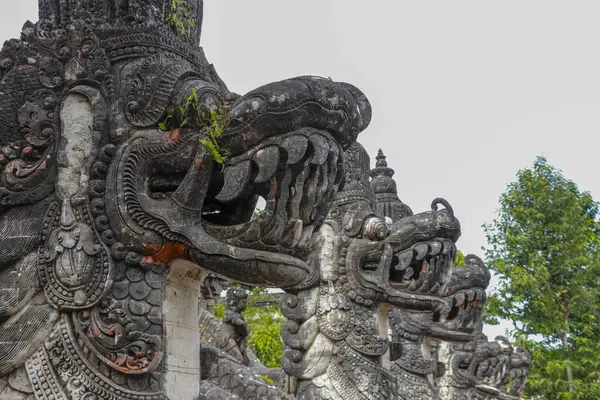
129,172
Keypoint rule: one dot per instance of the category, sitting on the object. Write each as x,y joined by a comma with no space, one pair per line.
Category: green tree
460,258
543,246
264,319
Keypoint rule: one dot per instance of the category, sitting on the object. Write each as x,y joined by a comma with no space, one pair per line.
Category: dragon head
483,368
99,203
460,317
284,142
423,251
406,263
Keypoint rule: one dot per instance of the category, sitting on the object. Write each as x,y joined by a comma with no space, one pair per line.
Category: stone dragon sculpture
416,339
483,370
105,220
109,225
337,329
415,334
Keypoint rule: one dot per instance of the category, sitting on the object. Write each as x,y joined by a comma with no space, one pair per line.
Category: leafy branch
214,122
179,18
215,130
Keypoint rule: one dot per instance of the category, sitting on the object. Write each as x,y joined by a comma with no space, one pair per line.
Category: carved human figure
234,331
211,289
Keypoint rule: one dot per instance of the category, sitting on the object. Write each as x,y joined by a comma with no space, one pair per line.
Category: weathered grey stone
10,394
182,364
231,334
154,280
155,297
120,290
19,381
135,274
138,307
128,171
139,290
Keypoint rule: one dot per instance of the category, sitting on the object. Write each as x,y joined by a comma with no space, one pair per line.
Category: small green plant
213,120
267,379
180,19
257,213
219,310
215,130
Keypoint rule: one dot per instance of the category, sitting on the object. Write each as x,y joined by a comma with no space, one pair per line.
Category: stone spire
382,181
386,191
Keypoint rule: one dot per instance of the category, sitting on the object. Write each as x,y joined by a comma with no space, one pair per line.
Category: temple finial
382,181
381,162
386,191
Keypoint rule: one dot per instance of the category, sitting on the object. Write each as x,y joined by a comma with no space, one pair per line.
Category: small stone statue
233,336
211,289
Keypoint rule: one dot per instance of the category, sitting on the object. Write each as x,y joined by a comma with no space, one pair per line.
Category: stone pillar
180,314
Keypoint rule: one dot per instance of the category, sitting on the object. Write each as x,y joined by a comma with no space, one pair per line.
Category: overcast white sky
465,93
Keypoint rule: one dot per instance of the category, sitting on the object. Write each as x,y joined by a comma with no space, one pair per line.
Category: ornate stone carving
483,369
101,211
336,336
386,192
111,334
109,226
211,289
416,335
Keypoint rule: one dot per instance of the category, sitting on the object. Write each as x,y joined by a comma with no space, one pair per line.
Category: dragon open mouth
461,313
464,298
458,320
424,267
169,184
412,266
484,364
297,175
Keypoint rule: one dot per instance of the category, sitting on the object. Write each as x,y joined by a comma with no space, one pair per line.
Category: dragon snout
339,109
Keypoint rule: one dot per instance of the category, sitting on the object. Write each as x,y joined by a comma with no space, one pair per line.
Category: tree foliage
460,258
543,246
264,319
